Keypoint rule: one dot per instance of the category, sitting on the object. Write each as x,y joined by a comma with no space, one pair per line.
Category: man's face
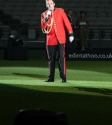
50,4
83,15
70,12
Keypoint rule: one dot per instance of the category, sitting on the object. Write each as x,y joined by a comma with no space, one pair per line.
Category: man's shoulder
60,9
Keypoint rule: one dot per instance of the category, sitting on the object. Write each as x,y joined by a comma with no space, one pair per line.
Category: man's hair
52,0
69,10
81,12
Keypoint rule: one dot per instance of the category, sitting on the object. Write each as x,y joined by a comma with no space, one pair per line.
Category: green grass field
86,98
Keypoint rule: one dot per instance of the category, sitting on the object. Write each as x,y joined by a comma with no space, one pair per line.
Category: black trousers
53,52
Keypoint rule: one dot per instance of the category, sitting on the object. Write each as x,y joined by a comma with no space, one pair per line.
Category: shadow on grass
39,76
96,66
80,109
96,90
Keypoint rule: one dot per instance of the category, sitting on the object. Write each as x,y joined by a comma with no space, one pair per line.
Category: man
69,15
83,23
70,18
13,39
53,23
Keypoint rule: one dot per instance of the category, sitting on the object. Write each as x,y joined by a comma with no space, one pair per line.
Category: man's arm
68,26
66,22
45,18
43,24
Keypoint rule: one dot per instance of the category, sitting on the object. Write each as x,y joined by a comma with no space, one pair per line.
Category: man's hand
71,38
47,15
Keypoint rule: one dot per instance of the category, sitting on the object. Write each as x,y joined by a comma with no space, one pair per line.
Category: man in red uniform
53,23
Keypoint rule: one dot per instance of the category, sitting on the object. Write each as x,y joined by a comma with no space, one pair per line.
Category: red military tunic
56,27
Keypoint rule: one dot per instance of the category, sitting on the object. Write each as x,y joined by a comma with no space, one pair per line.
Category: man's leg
85,36
51,53
62,62
82,39
59,66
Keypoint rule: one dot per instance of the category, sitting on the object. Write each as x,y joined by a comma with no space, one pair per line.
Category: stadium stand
20,12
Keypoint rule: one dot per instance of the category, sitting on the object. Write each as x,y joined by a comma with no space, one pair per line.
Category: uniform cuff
71,34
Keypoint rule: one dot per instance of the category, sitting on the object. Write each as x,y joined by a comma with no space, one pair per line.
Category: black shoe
48,80
63,80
